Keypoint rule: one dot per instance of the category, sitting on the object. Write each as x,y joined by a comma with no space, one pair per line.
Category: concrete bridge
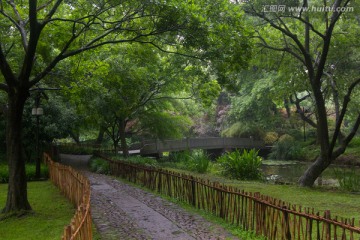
155,146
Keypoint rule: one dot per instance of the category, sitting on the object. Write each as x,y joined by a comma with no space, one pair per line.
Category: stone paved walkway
121,211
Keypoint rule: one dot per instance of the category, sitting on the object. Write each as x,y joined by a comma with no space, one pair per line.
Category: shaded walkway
121,211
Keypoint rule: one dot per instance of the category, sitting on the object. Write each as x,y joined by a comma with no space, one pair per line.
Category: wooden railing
264,215
159,146
76,188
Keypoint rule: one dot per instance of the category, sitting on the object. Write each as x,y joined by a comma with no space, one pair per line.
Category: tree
37,35
140,94
309,38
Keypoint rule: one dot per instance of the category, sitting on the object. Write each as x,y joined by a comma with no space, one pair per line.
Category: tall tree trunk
17,189
100,136
324,160
287,107
335,94
124,146
313,172
75,136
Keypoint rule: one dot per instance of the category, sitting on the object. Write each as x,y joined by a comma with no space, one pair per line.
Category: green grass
51,212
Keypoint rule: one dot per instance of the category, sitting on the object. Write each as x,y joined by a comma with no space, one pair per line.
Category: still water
291,171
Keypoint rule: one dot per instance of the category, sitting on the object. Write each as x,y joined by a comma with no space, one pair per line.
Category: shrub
198,161
270,138
145,161
242,130
355,142
99,165
242,166
30,172
180,156
348,181
286,148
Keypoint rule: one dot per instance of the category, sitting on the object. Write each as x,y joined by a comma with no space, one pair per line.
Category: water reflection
290,172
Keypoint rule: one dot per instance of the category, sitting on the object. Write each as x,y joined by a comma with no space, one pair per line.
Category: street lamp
37,112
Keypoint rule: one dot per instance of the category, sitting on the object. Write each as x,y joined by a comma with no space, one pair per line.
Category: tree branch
5,69
346,101
301,111
4,87
52,11
340,150
307,61
20,24
285,49
310,26
327,38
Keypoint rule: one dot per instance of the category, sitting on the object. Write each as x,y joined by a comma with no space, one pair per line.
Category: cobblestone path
122,211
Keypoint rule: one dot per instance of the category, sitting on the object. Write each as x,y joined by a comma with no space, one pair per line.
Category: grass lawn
52,211
341,204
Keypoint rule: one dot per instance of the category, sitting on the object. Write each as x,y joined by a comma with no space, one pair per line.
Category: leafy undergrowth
51,212
30,172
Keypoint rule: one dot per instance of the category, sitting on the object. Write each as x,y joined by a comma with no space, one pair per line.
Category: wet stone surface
121,211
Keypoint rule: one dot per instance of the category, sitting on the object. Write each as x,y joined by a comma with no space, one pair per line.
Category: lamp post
304,125
37,112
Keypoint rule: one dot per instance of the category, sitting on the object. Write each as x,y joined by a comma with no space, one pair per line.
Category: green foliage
244,166
348,180
4,173
180,156
195,161
99,165
286,148
165,125
271,137
209,92
355,142
198,161
242,130
253,103
30,172
138,160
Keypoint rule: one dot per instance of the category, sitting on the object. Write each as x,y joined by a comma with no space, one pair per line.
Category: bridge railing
158,146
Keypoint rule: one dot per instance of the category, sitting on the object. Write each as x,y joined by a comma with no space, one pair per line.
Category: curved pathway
121,211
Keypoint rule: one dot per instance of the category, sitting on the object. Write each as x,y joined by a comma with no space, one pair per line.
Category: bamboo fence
264,215
76,188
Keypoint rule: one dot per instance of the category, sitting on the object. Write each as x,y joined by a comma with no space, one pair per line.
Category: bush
348,181
99,165
198,161
286,148
270,138
242,166
180,156
144,161
242,130
355,142
30,172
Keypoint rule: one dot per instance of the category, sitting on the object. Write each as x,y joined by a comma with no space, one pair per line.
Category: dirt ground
121,211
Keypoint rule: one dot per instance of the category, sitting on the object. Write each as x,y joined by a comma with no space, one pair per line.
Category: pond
291,171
